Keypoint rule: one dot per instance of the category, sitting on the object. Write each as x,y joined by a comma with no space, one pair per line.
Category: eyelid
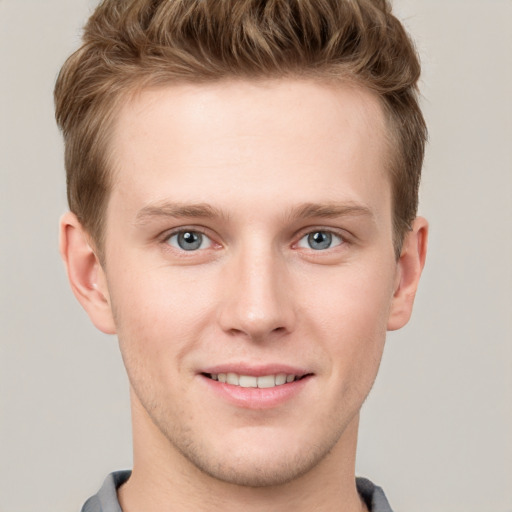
166,235
335,241
204,241
338,232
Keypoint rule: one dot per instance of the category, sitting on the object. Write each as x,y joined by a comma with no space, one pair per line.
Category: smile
251,381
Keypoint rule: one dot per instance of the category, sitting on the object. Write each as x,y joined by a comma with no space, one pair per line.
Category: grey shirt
106,499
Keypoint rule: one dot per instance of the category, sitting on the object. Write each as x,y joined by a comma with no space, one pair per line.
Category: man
243,179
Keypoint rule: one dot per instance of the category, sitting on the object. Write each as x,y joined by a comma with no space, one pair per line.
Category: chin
256,457
256,469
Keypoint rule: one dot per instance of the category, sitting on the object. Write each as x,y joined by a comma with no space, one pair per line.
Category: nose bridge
257,302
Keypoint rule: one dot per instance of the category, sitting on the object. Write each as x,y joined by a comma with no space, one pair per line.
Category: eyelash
331,237
183,230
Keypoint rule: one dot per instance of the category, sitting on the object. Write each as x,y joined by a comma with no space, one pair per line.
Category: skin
255,168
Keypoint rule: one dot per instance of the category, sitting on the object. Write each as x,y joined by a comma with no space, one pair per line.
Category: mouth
252,381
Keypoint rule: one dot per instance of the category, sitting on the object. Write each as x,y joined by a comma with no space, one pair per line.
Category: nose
257,297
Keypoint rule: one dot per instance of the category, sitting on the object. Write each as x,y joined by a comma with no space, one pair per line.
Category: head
132,45
244,175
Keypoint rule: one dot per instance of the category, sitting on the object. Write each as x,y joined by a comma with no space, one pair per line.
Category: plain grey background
436,432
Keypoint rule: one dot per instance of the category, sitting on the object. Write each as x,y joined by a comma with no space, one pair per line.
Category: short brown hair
131,44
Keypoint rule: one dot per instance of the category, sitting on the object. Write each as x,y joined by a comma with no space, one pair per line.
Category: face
250,268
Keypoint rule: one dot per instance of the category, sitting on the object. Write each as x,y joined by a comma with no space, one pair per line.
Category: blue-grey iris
189,240
320,240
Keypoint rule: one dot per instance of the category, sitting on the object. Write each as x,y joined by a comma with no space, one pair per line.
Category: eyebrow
330,210
177,210
207,211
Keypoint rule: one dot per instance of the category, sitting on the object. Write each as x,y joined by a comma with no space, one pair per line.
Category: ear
85,273
409,268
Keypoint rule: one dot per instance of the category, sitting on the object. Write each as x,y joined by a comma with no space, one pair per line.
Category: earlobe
85,273
410,266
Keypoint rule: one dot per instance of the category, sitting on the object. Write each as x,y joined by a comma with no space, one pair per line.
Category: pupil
320,240
189,241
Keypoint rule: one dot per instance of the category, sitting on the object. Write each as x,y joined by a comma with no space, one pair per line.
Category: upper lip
255,370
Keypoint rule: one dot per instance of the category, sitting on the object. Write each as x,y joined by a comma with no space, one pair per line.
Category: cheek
159,313
154,330
353,298
353,318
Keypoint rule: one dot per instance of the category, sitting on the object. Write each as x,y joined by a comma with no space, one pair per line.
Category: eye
188,240
320,240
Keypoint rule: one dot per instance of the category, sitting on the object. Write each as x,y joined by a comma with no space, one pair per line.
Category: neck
164,480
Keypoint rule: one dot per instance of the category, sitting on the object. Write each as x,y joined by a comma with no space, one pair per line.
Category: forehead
240,106
279,138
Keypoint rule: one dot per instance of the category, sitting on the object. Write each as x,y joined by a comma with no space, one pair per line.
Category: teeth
268,381
280,379
232,378
249,381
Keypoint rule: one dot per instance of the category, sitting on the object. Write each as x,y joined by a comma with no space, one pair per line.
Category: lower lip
256,398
